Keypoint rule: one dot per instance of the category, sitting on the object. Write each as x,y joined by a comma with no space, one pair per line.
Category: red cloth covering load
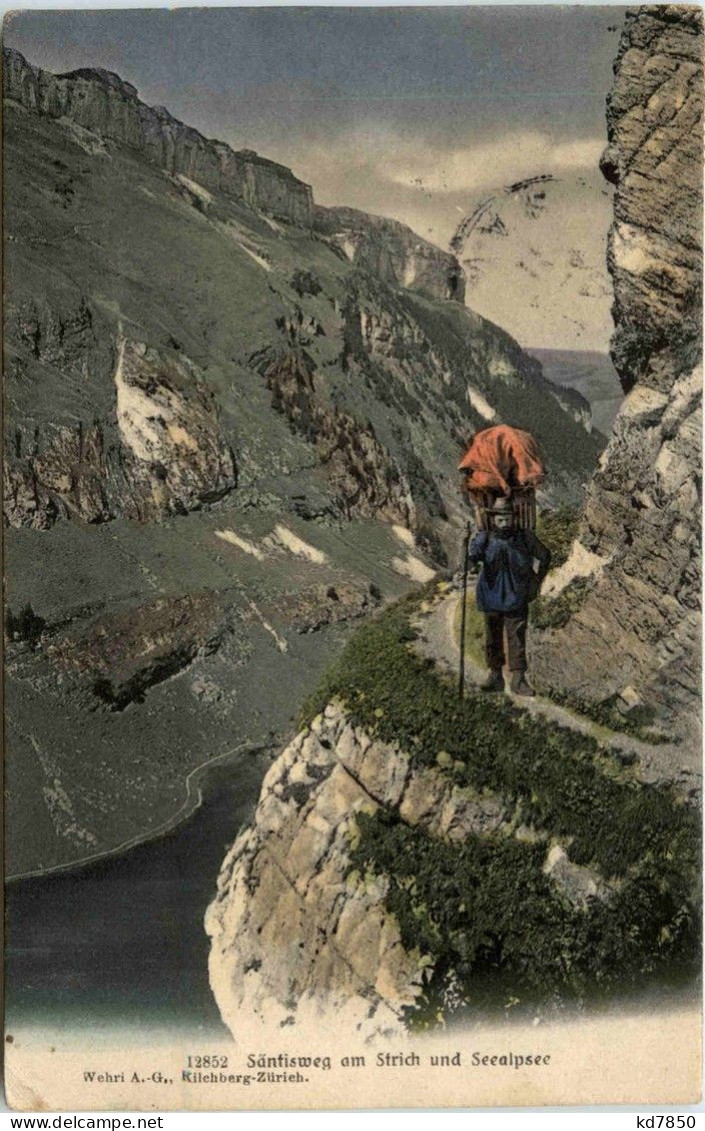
501,459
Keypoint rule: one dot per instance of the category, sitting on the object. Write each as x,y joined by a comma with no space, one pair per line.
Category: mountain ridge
96,98
226,441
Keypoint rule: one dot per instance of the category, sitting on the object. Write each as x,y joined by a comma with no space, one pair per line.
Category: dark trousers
515,626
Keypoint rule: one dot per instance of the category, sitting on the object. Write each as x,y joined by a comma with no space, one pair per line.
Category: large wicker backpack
503,462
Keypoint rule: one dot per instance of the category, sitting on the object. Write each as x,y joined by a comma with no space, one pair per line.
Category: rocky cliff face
393,252
296,933
288,873
103,103
631,588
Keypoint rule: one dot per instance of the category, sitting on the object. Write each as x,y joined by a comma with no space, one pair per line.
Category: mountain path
656,763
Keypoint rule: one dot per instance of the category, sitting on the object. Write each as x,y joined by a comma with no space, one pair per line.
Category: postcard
352,393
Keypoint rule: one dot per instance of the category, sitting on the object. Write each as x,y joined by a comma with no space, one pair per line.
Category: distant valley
591,374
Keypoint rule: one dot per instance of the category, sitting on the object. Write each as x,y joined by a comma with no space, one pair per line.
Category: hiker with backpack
502,468
514,563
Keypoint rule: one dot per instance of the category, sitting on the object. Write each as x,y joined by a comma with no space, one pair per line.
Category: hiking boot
519,686
494,682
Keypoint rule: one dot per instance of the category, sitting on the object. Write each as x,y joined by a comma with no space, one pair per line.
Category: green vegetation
474,629
484,906
554,612
558,529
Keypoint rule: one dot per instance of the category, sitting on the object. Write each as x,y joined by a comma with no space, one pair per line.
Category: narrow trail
655,762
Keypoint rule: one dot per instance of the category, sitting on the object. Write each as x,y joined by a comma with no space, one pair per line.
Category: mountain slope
414,857
589,373
225,442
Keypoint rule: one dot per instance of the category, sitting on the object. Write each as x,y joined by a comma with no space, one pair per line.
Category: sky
407,112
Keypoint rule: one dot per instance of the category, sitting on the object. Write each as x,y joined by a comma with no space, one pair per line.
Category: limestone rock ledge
297,938
294,939
393,252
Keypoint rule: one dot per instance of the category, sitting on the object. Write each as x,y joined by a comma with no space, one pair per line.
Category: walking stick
461,674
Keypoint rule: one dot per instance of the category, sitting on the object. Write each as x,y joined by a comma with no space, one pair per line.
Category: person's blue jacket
508,580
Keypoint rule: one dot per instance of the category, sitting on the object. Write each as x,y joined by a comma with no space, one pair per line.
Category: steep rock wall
102,102
654,159
634,637
393,252
297,936
414,855
165,456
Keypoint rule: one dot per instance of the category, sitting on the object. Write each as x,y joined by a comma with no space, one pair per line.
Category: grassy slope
161,267
484,908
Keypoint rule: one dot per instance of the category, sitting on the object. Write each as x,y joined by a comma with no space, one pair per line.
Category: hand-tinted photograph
352,446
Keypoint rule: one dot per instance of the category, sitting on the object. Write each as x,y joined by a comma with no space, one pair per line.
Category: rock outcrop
393,252
166,456
634,637
102,102
297,935
364,478
575,403
592,375
654,159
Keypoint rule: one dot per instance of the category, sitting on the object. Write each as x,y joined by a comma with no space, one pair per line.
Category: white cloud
579,154
379,163
492,163
396,173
